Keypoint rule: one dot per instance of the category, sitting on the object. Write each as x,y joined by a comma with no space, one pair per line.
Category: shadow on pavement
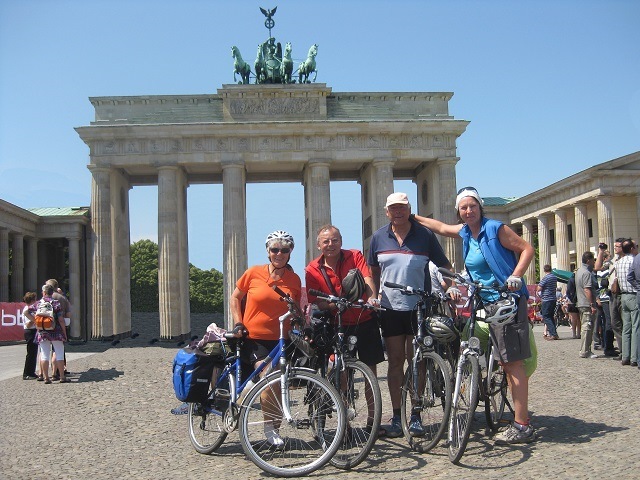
98,375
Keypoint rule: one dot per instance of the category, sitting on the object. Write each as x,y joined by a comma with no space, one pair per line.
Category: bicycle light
351,341
474,342
427,341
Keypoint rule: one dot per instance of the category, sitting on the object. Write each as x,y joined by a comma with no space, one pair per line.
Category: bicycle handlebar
342,301
409,290
480,286
293,307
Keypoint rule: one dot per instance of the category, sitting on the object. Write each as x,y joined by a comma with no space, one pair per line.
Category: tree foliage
205,286
144,276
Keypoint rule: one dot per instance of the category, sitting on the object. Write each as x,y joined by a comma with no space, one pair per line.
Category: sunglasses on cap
466,188
278,250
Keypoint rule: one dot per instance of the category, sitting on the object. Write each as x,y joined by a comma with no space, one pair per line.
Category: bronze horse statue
308,66
286,67
257,65
240,66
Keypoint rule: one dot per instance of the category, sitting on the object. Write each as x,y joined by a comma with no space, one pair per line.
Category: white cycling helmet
441,328
281,236
503,312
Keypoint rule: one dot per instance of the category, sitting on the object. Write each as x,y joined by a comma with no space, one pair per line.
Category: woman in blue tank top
494,252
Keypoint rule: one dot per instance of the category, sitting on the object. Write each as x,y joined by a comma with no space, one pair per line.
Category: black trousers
32,353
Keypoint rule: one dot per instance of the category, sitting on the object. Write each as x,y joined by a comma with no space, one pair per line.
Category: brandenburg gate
300,132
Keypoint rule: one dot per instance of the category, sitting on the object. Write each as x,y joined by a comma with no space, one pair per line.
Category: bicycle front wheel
296,446
465,400
495,394
210,422
360,392
426,402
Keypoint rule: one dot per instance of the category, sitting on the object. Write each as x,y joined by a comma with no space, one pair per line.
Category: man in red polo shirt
326,273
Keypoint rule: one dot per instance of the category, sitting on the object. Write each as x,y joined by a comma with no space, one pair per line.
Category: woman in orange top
263,307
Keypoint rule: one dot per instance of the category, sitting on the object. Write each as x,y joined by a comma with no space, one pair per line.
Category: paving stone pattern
113,421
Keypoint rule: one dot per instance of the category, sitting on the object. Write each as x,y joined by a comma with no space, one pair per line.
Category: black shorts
395,323
369,346
253,351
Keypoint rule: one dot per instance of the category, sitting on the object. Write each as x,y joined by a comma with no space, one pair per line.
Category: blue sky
550,88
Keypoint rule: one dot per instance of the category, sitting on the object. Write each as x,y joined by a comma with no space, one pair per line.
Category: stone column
234,221
4,265
527,235
447,213
75,296
543,241
605,222
43,264
317,203
31,265
376,182
562,244
17,267
121,252
102,277
582,231
173,266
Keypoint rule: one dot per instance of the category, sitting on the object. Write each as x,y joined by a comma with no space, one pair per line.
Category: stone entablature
271,103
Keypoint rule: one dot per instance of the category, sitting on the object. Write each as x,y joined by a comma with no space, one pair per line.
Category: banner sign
12,322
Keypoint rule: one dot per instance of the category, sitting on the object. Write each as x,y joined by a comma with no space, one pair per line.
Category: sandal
47,381
40,378
65,380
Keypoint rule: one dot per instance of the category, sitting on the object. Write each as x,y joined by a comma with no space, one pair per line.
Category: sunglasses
466,188
278,250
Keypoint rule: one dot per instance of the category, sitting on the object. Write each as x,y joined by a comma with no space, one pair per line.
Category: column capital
229,159
319,162
447,160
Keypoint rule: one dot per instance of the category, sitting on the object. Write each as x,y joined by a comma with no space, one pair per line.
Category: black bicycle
427,390
357,384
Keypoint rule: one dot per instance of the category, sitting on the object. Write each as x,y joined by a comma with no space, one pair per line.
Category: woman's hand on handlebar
454,293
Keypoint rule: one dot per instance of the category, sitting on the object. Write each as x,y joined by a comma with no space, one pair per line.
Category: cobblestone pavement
113,421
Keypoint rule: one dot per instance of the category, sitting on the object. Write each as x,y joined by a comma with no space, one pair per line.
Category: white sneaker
273,437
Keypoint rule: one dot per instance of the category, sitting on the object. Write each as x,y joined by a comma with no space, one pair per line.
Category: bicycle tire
209,421
463,407
313,436
495,390
432,402
363,403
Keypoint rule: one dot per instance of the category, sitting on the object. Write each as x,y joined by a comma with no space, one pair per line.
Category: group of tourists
400,252
602,302
43,337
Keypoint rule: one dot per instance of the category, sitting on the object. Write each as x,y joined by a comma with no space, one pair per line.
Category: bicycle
469,385
426,391
356,382
296,403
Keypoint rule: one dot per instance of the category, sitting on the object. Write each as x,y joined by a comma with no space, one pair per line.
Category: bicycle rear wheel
361,395
310,439
429,404
495,394
211,421
463,407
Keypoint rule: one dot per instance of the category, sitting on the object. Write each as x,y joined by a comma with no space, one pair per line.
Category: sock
520,426
396,412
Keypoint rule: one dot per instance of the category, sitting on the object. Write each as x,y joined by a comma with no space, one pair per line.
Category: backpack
571,289
44,317
192,371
